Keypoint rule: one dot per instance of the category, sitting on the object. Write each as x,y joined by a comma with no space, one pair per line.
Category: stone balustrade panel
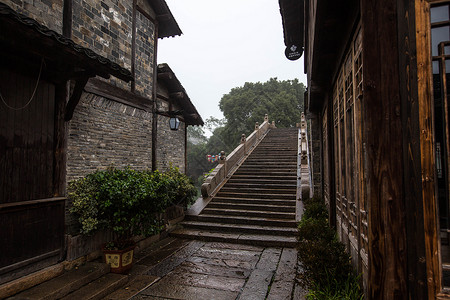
233,160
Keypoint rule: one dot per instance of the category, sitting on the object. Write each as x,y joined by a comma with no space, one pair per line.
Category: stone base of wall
81,248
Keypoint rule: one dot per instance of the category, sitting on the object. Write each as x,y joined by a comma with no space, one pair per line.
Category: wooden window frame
425,97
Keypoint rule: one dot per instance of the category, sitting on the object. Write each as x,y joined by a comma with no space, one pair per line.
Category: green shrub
128,202
326,267
316,210
333,290
321,258
315,229
182,190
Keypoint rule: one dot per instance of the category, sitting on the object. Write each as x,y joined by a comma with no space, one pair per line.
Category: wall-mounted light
174,123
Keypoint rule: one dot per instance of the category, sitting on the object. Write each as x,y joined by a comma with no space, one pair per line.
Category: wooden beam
104,89
67,18
133,48
426,107
412,177
60,140
75,98
387,278
155,95
177,95
165,76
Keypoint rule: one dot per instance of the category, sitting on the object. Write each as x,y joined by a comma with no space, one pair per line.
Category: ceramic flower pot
120,261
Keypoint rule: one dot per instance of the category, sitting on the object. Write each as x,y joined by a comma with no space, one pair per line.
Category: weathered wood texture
425,106
26,137
31,231
383,132
60,140
417,285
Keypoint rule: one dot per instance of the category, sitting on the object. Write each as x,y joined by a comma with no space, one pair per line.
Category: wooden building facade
378,103
79,90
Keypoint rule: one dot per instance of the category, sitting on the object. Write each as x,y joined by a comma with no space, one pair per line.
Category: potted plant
126,202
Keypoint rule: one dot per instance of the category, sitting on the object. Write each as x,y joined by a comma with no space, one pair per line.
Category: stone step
271,162
258,190
99,288
242,220
237,238
243,184
268,148
240,171
135,285
248,213
68,282
273,154
250,180
265,168
241,194
254,229
264,177
253,201
256,207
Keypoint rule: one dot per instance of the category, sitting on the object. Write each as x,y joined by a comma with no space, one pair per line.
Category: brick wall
144,63
170,145
105,27
104,133
46,12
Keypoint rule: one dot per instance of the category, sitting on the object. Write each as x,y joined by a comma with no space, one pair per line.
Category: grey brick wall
170,145
144,64
105,133
46,12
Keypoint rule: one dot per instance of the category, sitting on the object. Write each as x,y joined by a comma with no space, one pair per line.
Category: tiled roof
190,113
95,60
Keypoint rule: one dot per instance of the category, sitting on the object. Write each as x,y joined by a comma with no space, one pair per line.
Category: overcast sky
225,44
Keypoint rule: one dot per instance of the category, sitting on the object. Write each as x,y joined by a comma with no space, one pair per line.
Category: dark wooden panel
383,137
26,137
411,151
425,98
30,231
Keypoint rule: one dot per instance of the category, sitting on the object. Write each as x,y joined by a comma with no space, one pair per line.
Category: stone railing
228,164
304,185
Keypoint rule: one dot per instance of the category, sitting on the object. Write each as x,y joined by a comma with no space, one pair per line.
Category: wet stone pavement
187,269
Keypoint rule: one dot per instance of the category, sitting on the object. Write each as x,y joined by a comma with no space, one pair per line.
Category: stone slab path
187,269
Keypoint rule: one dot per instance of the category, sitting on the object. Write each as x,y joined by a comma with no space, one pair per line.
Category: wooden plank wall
383,136
425,107
26,137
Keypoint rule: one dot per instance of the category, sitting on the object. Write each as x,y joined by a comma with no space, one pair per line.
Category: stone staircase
257,205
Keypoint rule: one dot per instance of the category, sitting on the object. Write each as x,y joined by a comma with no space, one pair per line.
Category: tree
242,108
246,105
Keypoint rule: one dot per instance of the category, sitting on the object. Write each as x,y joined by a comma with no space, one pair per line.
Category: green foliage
316,210
242,107
246,105
128,202
182,189
326,266
334,290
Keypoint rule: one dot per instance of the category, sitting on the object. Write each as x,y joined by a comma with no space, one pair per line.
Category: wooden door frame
426,119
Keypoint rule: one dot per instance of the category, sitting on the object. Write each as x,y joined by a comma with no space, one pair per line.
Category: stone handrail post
228,164
304,169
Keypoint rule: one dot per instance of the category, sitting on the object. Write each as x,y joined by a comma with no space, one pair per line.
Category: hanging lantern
174,123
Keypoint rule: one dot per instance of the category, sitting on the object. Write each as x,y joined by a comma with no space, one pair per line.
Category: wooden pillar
383,137
155,99
412,172
331,163
425,103
60,133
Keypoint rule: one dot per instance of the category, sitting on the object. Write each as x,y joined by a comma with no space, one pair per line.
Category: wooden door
31,219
